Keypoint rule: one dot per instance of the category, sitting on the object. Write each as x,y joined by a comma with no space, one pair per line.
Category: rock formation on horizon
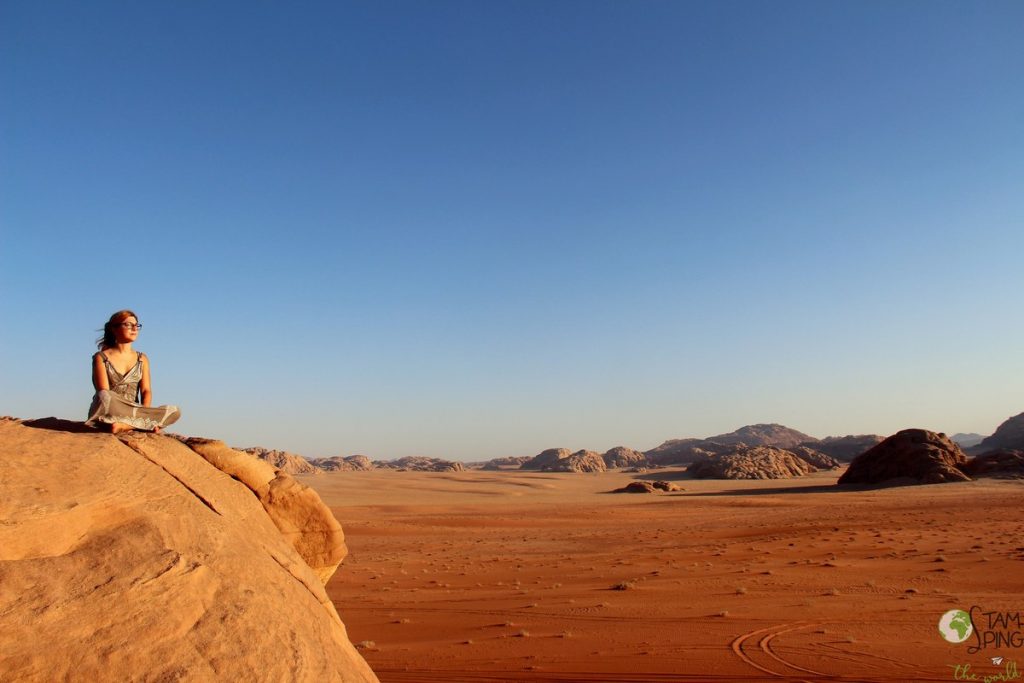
419,463
967,440
513,462
751,462
1000,464
764,435
283,460
580,461
913,455
545,458
349,463
148,557
846,448
1008,436
685,451
815,457
620,456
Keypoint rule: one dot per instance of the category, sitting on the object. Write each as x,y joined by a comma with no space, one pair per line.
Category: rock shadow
58,425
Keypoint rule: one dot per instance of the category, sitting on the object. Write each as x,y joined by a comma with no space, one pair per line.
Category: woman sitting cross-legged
121,379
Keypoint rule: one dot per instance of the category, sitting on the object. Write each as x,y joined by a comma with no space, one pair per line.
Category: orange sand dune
488,576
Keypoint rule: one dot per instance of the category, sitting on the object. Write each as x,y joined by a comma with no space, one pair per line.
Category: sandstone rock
846,448
580,461
1008,436
1002,464
620,456
647,487
418,463
283,460
675,451
545,458
686,451
509,463
636,487
751,462
348,463
915,455
132,557
815,457
296,510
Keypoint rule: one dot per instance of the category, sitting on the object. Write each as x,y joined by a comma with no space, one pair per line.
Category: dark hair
109,340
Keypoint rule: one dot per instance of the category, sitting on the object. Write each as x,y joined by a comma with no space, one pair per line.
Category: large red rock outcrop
133,557
913,455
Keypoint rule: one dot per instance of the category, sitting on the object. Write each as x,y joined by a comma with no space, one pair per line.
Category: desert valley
746,556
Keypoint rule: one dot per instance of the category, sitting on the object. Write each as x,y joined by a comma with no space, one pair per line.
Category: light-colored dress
120,402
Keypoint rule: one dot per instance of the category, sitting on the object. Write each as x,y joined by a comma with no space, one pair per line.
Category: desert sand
525,576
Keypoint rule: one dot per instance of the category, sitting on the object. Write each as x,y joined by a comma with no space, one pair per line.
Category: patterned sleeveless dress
120,403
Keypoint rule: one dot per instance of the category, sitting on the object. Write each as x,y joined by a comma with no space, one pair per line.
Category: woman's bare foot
156,430
118,427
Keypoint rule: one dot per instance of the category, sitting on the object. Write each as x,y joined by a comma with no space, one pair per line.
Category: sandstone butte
144,557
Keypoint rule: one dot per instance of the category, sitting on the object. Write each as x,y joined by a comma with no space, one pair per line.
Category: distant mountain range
1009,435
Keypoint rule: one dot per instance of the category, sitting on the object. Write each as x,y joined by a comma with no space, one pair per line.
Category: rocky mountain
751,462
620,456
845,448
913,455
283,460
144,556
967,440
764,435
1008,436
685,451
349,463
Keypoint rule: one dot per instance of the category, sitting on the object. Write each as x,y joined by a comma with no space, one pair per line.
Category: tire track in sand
763,658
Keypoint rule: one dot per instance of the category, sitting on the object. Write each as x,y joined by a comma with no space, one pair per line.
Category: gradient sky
478,229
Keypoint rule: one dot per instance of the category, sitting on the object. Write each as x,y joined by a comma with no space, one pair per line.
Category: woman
121,377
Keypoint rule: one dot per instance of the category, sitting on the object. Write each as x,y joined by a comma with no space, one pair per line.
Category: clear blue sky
476,229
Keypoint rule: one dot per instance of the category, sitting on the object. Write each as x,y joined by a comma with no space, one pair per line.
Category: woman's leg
118,427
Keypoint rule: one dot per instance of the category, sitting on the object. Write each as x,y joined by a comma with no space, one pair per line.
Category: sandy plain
514,576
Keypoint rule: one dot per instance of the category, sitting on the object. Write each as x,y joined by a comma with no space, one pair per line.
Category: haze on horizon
471,230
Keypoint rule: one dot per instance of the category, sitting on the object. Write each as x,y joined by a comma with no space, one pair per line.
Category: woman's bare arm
99,373
144,385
